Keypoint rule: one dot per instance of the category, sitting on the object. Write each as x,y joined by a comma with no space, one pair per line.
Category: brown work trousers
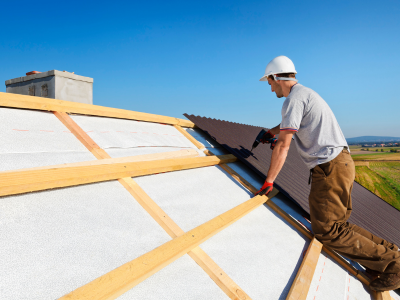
330,208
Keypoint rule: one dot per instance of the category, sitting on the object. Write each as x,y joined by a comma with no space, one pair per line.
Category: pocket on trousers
318,199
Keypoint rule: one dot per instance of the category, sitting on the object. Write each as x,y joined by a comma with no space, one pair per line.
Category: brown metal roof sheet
369,211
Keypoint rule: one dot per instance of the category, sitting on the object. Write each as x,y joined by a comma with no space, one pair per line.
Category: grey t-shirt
318,136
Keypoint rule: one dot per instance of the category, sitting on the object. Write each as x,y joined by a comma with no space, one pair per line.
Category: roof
369,211
107,206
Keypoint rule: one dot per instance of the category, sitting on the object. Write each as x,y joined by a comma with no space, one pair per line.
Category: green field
358,148
377,156
383,179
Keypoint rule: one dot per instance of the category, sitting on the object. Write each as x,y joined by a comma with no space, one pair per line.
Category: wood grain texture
381,295
123,278
189,137
17,182
39,103
302,281
128,159
231,289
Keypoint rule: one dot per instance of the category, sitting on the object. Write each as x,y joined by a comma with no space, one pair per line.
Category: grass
383,179
358,148
377,156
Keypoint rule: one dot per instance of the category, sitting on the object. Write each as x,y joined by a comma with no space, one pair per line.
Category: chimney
54,84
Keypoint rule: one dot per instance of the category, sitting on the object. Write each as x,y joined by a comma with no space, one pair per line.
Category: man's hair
288,75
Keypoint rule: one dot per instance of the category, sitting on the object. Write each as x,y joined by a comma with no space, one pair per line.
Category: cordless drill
260,138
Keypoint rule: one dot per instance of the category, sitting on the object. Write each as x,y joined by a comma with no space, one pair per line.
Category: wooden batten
381,295
302,281
19,182
128,159
120,280
189,137
39,103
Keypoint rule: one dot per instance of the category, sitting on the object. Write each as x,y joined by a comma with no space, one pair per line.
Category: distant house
382,145
374,145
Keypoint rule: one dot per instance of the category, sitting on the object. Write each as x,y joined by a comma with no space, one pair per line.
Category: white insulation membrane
34,139
56,241
119,133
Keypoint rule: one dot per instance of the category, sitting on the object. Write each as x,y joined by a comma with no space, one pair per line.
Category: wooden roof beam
46,104
302,282
18,182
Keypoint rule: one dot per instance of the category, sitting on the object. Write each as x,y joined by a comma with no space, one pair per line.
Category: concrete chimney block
54,84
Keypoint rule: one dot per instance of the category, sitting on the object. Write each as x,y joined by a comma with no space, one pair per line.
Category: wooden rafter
231,289
189,137
301,284
381,295
123,278
17,182
39,103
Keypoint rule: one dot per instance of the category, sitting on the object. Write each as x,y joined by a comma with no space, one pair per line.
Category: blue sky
206,57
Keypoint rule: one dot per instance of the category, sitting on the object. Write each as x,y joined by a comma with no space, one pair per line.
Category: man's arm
276,129
279,154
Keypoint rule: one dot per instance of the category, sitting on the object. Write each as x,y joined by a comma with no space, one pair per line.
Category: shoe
372,273
386,282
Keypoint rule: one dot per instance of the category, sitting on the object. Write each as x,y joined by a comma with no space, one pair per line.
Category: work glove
266,137
265,189
269,138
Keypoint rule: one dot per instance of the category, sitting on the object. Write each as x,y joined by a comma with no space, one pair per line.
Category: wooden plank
128,159
39,103
197,254
230,288
81,135
302,282
18,182
123,278
362,277
189,137
381,295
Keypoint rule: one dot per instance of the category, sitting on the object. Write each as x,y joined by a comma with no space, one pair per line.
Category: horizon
206,58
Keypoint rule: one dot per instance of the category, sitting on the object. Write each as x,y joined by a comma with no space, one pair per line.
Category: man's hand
266,137
265,189
269,138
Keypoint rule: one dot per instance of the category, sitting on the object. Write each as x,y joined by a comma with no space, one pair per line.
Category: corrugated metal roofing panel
369,211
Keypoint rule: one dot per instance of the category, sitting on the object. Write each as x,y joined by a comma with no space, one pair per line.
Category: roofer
307,118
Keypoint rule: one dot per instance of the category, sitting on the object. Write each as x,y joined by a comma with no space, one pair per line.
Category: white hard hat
280,64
